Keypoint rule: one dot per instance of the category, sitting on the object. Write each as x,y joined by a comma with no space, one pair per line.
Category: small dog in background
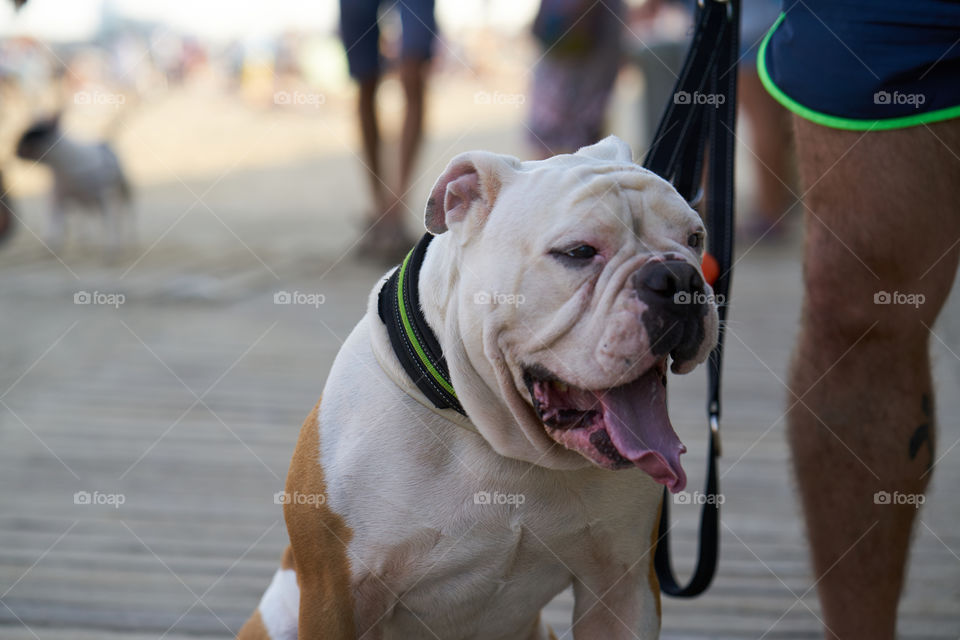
85,175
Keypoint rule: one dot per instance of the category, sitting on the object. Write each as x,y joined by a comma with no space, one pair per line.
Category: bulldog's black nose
673,291
669,282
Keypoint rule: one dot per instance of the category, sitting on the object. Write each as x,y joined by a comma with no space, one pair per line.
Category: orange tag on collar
711,270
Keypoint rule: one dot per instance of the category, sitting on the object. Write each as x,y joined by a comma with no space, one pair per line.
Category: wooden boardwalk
187,399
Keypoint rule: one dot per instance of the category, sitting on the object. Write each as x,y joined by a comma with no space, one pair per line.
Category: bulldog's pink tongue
636,419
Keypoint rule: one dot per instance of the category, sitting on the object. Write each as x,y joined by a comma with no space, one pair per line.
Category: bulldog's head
572,283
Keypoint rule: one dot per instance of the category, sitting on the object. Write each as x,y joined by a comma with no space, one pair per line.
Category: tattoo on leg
922,434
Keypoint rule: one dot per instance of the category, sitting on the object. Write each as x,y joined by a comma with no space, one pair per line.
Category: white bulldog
557,290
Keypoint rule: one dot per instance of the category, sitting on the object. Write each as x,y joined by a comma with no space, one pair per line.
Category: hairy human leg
882,224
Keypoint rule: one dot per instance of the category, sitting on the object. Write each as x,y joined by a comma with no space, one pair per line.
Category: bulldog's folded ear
610,148
470,183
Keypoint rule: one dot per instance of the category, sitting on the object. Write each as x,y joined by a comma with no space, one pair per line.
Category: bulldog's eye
582,252
695,240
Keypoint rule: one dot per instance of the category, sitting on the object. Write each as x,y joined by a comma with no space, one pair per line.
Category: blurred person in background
386,236
574,77
771,135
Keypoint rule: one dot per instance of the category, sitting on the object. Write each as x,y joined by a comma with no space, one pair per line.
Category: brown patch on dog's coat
318,545
317,551
254,629
286,562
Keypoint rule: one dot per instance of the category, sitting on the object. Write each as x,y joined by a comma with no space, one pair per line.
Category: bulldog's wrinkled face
584,282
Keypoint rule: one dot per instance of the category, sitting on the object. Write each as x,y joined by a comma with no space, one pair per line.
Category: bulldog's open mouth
615,428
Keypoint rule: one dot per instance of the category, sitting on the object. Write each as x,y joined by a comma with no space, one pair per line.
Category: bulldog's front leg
618,602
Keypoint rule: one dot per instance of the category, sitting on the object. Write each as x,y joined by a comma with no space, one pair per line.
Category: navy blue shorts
865,64
360,33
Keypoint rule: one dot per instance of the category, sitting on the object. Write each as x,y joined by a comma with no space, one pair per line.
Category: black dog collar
414,342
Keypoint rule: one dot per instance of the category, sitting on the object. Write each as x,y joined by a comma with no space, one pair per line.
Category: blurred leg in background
771,147
771,151
370,131
360,32
385,235
659,38
419,34
413,76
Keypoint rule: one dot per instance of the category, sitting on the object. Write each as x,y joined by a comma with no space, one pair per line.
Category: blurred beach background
235,123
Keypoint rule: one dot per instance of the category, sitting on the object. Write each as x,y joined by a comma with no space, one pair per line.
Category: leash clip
715,433
714,420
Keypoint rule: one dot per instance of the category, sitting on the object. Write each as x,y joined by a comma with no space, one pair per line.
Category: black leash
704,108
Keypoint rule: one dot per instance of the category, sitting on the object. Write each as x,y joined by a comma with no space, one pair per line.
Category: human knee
842,308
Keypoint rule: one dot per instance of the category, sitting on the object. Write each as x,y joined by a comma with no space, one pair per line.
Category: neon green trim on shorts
837,122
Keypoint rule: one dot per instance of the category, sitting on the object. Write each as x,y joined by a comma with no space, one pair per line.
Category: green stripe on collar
414,343
412,337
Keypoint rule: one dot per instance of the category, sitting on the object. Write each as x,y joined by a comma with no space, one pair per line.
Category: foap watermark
698,497
897,297
685,97
886,97
299,297
99,298
299,99
510,99
96,498
897,498
497,498
316,500
99,98
497,298
698,297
